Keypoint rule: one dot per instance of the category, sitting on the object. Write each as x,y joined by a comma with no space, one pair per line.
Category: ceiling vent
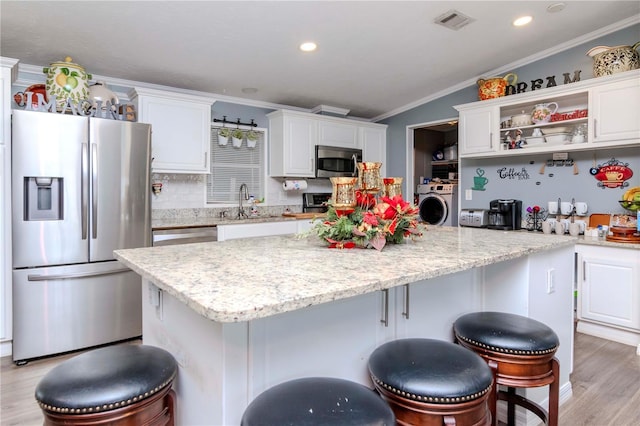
453,20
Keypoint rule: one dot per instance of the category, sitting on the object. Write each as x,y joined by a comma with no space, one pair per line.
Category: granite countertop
236,280
582,240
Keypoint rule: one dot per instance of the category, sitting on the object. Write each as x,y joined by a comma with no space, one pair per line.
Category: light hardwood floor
605,380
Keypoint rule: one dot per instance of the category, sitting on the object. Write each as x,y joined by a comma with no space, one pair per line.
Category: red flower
384,211
400,205
370,218
366,201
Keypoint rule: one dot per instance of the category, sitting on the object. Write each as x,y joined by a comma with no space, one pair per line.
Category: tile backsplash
178,191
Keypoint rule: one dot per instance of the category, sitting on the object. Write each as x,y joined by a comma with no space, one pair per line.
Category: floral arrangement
370,224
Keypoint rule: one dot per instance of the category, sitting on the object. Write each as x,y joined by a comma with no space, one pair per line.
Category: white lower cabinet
609,292
250,230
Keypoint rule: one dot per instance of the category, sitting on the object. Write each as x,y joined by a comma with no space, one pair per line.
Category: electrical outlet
551,281
468,194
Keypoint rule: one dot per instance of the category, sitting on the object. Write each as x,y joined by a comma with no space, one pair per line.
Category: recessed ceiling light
249,90
308,46
523,20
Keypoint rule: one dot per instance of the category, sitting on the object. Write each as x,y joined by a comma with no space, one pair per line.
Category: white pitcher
542,112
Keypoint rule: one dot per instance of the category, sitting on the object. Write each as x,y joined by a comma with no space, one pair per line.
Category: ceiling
373,57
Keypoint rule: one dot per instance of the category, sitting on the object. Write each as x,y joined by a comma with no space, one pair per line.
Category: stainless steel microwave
334,161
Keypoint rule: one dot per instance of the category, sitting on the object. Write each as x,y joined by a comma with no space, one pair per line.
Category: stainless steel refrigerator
80,189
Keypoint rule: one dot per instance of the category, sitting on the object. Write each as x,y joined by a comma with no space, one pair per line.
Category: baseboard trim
6,348
610,333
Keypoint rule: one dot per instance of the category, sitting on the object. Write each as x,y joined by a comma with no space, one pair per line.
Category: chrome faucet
241,213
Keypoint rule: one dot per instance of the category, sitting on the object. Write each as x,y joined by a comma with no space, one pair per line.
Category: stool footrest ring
525,403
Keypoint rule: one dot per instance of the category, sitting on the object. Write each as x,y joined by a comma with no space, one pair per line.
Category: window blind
231,167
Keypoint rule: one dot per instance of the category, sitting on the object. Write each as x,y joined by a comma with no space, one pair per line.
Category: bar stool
432,382
116,385
316,401
520,351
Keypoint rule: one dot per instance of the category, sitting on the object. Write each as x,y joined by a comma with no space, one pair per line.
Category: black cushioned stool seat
520,352
118,385
432,382
316,401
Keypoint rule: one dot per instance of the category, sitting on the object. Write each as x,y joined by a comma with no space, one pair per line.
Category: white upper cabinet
476,130
373,140
616,111
344,135
607,107
180,129
293,137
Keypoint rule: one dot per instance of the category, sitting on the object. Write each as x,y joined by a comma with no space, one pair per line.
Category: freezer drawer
65,308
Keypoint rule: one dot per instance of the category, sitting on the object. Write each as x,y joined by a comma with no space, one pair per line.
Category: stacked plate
535,140
556,134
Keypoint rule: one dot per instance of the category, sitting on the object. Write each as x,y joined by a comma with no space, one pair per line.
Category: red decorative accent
344,212
341,244
579,113
613,176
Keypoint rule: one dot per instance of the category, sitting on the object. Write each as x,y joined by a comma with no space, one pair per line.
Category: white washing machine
438,203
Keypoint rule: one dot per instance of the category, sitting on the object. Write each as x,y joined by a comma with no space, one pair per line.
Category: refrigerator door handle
77,275
94,191
84,189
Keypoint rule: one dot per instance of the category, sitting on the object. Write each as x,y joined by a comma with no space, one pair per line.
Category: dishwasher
173,236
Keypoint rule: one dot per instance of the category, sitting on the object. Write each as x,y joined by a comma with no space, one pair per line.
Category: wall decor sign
512,173
612,174
84,107
479,181
538,83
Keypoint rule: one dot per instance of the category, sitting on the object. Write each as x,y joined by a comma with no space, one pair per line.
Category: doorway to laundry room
435,153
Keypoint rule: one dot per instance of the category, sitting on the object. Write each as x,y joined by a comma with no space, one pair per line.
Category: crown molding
519,63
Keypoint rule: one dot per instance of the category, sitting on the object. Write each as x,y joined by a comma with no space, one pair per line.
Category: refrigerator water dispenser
43,198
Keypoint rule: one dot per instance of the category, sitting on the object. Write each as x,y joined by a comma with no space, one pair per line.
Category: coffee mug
583,225
547,227
581,208
552,207
561,227
566,208
574,229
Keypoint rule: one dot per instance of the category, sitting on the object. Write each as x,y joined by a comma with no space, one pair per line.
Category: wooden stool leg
554,393
170,401
493,394
511,407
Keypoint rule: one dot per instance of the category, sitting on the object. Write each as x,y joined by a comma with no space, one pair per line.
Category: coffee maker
505,214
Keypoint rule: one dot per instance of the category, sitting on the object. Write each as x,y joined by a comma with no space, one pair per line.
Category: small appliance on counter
505,214
477,218
315,202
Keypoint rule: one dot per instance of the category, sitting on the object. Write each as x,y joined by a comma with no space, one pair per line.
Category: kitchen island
243,315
